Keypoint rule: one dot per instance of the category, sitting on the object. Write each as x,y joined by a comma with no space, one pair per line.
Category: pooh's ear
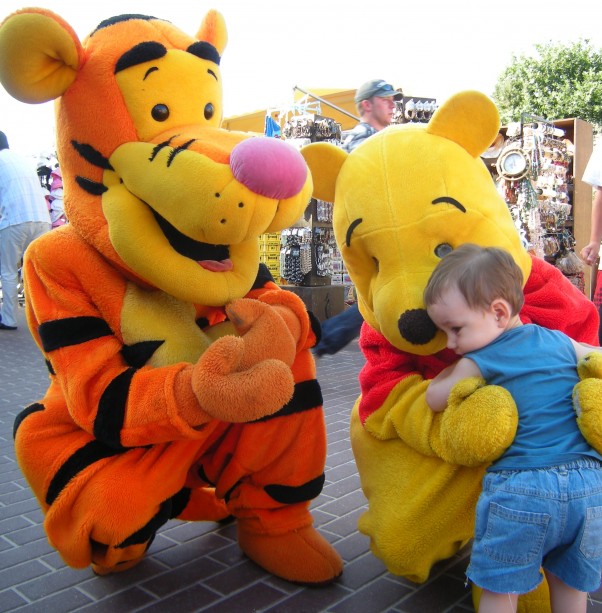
40,55
469,119
213,30
325,161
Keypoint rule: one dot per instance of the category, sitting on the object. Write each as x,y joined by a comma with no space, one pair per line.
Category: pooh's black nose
416,327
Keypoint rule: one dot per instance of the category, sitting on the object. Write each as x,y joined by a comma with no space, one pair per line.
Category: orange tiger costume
181,381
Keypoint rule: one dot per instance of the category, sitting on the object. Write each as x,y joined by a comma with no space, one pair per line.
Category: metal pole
334,106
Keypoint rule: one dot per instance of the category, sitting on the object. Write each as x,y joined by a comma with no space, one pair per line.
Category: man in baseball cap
375,101
378,88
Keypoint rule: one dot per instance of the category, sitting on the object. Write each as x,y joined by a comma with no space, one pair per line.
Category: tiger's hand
230,391
268,331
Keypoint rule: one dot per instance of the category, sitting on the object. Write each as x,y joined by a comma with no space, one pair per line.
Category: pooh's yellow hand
478,424
587,399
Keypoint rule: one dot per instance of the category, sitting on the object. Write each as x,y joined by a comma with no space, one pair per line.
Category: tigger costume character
155,408
402,200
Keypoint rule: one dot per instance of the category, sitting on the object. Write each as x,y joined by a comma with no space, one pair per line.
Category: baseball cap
376,87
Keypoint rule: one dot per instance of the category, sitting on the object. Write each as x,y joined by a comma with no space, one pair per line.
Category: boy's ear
502,310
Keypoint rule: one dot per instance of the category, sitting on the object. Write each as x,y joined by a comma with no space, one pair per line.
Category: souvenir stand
304,258
537,165
414,110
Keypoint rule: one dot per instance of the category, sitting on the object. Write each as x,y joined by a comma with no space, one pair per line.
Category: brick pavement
198,566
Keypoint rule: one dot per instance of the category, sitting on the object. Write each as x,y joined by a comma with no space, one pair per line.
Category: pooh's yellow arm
476,428
587,399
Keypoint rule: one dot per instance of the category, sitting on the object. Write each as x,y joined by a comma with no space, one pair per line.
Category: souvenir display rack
306,247
537,169
414,110
307,250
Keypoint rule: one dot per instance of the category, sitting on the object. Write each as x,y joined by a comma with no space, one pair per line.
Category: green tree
559,81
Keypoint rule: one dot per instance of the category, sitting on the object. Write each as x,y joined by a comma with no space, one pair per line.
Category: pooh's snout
416,327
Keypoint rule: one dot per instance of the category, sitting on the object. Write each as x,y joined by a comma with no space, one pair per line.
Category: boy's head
481,274
474,295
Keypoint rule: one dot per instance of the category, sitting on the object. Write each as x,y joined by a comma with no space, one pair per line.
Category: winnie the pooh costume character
181,378
402,200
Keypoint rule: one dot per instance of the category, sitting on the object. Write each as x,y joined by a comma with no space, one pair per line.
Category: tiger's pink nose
269,167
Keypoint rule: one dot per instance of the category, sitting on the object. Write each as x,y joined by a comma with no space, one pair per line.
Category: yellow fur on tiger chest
152,315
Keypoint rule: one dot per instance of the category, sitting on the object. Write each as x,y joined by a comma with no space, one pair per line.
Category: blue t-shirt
539,368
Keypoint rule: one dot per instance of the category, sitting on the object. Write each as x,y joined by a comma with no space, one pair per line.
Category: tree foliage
560,81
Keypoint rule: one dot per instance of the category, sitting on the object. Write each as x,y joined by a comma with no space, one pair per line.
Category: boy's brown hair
481,275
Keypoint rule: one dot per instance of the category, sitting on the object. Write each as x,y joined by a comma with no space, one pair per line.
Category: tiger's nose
269,167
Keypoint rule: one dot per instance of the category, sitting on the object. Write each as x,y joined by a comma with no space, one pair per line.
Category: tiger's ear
213,30
40,55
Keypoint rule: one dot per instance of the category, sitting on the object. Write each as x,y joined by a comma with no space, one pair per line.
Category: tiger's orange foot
301,556
101,571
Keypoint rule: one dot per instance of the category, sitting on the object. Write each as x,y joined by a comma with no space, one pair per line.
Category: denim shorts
550,518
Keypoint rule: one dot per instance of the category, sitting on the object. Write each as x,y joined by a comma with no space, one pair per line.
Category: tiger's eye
160,112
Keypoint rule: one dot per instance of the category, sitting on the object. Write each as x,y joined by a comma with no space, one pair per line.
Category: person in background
54,199
591,251
540,503
375,101
23,217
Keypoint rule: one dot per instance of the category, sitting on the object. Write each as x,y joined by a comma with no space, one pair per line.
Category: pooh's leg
420,511
103,506
268,472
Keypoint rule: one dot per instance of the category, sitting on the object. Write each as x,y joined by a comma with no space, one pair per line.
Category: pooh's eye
376,264
160,112
443,249
209,110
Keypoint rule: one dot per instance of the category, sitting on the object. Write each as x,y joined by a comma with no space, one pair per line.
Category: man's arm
590,252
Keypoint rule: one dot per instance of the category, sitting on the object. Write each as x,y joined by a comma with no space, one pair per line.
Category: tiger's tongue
217,266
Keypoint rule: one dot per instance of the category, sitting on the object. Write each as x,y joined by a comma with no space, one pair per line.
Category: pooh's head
404,199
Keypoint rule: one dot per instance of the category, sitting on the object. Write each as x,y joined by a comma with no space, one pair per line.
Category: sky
429,49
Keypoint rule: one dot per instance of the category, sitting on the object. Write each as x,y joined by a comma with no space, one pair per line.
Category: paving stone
10,600
66,600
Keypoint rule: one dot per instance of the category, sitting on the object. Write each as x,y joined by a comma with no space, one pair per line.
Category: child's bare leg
565,599
497,603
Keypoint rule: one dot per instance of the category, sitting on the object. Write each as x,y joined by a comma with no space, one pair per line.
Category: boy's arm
582,349
439,388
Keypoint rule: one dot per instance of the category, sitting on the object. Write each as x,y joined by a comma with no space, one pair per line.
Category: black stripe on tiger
307,396
92,187
91,155
147,533
26,412
85,456
316,327
71,331
49,367
111,409
179,501
140,54
290,494
205,51
120,18
138,354
263,277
